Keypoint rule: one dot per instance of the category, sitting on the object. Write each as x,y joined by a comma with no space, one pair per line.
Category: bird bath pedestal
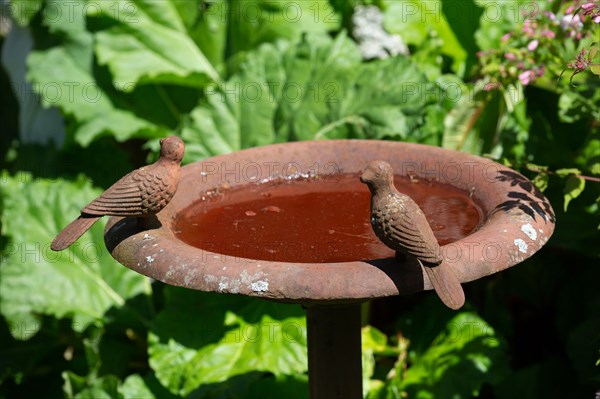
516,220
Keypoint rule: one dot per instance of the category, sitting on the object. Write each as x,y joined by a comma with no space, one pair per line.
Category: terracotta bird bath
257,222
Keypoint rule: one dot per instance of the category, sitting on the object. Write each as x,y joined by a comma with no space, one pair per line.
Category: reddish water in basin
314,220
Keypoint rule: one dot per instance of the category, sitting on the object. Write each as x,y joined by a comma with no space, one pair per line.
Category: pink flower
491,86
570,21
532,45
593,10
549,34
581,62
505,37
529,27
526,77
540,71
510,56
550,15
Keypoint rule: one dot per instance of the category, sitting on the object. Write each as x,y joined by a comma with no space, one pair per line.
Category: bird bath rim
518,220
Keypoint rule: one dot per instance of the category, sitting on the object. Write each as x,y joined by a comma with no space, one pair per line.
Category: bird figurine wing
410,229
138,193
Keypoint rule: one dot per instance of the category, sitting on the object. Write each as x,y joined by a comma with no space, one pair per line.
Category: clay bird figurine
142,193
400,224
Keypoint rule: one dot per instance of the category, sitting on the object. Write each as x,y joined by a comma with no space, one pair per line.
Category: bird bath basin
289,222
269,220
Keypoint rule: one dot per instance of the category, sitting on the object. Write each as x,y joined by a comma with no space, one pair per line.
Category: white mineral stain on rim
522,245
529,231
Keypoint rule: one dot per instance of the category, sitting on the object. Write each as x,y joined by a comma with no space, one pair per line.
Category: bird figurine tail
72,232
446,285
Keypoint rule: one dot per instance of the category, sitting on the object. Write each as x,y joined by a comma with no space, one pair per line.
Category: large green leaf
202,338
463,17
373,342
317,71
76,387
576,104
275,83
263,21
420,21
316,89
81,283
101,385
341,97
111,387
78,94
64,76
467,125
463,357
135,387
391,98
574,186
240,113
23,11
152,45
207,28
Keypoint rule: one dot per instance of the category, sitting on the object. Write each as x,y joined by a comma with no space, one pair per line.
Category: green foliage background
230,74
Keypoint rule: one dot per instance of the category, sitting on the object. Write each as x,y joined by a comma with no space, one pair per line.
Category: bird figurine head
378,175
171,149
